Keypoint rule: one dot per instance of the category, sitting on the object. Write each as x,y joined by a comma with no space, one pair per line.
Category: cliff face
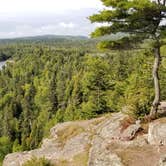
112,140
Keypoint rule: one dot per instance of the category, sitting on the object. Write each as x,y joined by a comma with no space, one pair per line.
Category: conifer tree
136,21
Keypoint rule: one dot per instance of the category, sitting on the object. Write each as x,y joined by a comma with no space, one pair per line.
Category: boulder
157,132
112,127
130,132
162,109
100,155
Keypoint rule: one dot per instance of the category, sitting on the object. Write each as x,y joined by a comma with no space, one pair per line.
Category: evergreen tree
135,20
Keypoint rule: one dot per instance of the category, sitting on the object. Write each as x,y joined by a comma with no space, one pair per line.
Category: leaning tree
136,20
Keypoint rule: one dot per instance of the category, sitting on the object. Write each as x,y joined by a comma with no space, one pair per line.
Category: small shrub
38,162
5,147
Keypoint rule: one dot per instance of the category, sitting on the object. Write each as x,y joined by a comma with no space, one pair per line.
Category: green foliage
5,147
47,85
16,146
96,82
138,19
38,162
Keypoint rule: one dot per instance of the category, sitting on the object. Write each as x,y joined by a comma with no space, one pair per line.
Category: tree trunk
156,101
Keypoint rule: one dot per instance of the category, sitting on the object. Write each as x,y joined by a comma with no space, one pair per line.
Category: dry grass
37,162
139,156
68,133
134,155
145,127
126,122
81,159
78,160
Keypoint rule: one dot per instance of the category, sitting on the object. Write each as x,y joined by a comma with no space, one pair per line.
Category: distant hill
45,38
59,38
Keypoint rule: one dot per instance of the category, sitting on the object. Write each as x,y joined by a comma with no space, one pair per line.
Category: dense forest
47,81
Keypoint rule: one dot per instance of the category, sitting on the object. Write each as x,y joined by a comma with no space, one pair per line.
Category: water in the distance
2,64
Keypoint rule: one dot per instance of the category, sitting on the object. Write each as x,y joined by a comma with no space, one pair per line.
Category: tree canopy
136,20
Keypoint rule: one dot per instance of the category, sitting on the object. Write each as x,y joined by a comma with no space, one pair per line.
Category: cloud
13,6
67,25
47,28
73,22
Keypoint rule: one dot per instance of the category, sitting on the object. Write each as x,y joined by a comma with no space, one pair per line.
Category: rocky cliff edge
111,140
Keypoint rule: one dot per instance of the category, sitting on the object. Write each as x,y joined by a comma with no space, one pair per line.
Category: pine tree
135,20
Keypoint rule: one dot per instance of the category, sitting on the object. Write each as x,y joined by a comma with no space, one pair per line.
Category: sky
40,17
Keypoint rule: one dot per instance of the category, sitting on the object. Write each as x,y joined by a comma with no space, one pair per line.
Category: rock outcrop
112,140
157,132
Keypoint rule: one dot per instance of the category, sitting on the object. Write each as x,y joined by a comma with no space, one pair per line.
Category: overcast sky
39,17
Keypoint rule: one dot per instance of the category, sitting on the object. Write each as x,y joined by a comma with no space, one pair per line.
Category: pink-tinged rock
157,132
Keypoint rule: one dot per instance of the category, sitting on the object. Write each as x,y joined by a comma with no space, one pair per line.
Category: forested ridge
44,84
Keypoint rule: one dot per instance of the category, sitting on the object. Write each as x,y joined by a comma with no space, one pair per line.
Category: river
2,64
